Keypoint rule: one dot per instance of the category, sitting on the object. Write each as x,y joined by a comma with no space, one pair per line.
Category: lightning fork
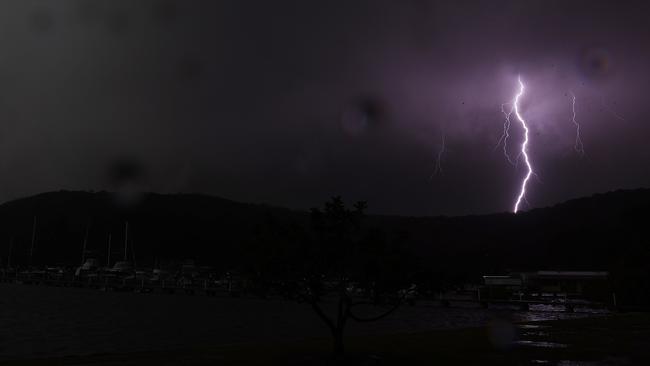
578,145
439,156
524,146
506,132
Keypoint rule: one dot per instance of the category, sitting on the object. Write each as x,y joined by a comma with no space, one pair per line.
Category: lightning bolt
439,156
524,146
578,146
506,131
610,110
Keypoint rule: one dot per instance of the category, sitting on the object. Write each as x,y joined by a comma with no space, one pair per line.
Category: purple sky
290,102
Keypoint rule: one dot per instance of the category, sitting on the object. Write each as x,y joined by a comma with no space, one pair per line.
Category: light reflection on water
537,335
37,320
567,363
533,326
429,316
541,344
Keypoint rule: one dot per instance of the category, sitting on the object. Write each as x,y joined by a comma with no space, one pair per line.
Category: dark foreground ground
42,325
620,339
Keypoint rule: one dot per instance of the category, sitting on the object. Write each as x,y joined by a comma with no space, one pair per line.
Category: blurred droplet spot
190,68
118,22
125,169
595,63
126,176
165,12
363,114
89,11
42,20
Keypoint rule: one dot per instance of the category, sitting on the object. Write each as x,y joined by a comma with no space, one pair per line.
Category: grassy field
620,339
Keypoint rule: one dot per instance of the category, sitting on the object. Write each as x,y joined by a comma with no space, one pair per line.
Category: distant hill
208,229
604,231
597,232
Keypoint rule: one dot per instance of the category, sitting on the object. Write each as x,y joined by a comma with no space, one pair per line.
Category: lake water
38,321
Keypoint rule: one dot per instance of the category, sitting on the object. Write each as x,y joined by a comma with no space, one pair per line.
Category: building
588,285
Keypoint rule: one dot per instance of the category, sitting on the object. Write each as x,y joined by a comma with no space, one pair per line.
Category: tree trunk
339,348
336,325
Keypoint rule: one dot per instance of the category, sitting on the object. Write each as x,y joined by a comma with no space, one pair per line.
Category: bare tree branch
322,314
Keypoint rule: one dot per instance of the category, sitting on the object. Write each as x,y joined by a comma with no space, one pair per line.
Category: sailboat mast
11,248
108,260
126,239
31,250
83,252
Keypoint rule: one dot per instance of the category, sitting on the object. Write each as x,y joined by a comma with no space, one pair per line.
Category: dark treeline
603,232
209,230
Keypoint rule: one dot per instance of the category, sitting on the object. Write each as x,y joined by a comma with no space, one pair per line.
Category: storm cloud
290,102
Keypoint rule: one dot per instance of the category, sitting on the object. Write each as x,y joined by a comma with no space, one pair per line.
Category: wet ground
46,322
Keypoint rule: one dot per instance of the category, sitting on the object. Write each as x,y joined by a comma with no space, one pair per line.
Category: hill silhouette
602,232
208,229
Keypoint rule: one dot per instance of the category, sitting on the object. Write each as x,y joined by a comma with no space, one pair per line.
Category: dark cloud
289,102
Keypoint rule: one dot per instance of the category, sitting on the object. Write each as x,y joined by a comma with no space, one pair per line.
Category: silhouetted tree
347,269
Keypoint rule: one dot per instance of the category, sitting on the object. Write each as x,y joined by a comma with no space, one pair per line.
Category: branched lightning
441,152
610,110
524,146
578,146
506,131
